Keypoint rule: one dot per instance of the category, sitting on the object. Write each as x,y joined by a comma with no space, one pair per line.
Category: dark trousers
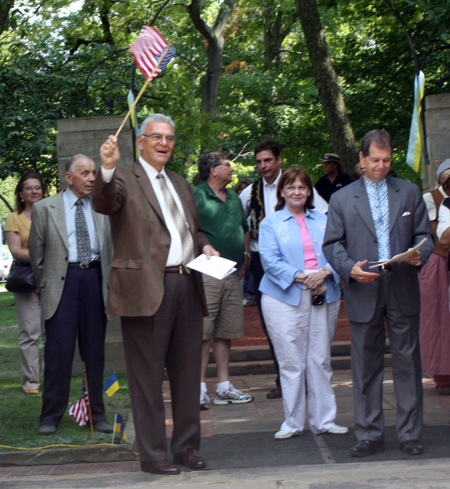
171,338
367,357
258,272
80,314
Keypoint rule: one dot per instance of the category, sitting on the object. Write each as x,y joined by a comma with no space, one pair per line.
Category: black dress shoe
412,447
104,427
162,467
190,459
275,394
365,448
47,429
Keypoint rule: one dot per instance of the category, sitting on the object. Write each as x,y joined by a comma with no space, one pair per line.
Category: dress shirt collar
371,183
151,171
72,198
275,183
287,215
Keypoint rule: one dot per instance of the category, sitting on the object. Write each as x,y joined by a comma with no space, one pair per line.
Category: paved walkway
240,450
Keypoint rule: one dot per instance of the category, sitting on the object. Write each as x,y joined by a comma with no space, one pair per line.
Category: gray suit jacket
49,250
350,237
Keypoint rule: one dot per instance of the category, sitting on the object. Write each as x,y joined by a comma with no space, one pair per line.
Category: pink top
308,248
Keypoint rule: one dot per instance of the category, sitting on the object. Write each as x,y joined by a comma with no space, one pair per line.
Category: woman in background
30,189
434,280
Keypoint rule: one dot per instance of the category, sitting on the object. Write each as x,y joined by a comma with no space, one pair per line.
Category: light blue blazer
281,251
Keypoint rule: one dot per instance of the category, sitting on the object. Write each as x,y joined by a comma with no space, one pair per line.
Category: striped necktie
185,235
83,244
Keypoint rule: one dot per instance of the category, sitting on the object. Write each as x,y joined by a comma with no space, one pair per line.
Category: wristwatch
327,272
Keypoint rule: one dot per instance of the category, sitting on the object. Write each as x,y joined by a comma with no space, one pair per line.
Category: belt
92,264
386,268
181,270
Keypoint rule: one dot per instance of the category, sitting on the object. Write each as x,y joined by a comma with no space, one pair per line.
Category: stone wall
86,134
437,129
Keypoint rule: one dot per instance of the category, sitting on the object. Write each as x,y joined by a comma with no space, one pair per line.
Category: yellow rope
50,446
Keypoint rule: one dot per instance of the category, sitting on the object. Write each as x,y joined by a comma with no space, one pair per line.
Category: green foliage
59,62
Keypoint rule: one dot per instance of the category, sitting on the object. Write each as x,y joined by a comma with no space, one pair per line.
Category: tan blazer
141,239
49,250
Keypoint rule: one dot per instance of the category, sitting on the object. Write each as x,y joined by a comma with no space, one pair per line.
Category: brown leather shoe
190,459
163,467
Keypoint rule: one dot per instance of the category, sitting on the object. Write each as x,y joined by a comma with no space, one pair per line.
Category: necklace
300,220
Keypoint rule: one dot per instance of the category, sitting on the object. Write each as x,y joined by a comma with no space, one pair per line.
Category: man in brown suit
156,231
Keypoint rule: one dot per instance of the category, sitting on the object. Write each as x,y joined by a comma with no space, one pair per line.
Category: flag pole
114,428
149,79
89,399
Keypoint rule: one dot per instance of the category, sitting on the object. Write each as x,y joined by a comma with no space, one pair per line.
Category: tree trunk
274,35
216,43
5,7
333,104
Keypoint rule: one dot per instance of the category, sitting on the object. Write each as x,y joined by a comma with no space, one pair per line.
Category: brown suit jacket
141,239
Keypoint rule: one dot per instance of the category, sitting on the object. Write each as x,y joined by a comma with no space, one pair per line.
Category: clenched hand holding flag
152,54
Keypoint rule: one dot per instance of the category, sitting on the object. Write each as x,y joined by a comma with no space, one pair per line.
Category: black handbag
21,278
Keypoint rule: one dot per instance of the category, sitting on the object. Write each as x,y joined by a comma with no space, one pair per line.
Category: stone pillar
85,135
437,129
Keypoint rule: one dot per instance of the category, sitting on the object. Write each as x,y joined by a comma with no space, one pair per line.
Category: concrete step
244,360
256,360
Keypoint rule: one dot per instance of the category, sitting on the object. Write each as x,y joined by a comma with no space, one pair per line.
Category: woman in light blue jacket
297,286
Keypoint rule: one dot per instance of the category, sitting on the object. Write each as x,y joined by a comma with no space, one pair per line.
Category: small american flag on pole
80,410
147,51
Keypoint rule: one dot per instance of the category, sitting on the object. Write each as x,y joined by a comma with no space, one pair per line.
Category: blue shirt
377,192
281,252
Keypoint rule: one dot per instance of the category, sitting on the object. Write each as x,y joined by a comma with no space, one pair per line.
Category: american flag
147,50
80,410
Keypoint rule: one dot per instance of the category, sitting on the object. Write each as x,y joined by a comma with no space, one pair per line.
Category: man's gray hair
208,160
72,160
156,118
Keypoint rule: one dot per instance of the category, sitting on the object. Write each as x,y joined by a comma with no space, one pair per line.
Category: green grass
19,414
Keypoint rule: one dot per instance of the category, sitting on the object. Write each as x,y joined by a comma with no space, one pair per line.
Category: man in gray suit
70,248
376,218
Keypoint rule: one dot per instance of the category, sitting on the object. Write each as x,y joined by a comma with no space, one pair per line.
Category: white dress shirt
176,249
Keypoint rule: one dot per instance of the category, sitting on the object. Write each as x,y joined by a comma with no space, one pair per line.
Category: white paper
216,266
398,257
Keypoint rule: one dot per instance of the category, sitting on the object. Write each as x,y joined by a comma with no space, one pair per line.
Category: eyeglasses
293,188
157,138
225,164
30,189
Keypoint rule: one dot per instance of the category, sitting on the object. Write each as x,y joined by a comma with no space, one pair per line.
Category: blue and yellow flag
415,145
111,385
119,426
134,123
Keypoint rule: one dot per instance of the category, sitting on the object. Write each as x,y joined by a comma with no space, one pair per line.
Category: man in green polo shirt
224,224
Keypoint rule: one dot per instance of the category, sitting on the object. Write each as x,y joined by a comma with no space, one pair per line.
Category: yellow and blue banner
119,426
415,145
134,124
111,385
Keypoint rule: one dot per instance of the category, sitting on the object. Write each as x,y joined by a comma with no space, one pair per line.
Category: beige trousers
30,328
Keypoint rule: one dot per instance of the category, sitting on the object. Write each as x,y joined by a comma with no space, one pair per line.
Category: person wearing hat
434,280
334,178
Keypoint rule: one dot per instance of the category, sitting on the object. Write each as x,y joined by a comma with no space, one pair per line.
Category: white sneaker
232,396
283,435
337,430
204,401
